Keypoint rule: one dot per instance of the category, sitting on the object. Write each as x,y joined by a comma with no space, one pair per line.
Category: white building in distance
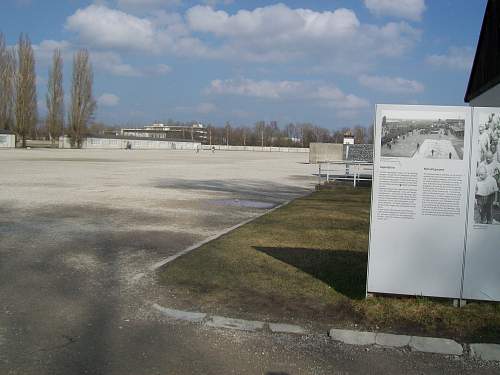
196,132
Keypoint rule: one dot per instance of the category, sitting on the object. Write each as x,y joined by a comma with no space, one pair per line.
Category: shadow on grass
343,270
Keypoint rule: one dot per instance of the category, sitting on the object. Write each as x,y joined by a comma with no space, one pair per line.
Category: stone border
416,343
485,352
216,321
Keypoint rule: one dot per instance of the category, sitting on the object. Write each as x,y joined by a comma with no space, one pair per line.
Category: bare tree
26,106
259,130
359,134
370,134
83,104
55,97
7,85
228,129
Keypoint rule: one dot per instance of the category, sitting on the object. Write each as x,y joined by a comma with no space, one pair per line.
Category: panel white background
423,256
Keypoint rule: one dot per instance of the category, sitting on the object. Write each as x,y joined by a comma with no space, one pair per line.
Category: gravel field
94,209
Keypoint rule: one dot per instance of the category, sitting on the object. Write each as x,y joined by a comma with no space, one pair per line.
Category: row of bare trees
271,134
291,135
18,96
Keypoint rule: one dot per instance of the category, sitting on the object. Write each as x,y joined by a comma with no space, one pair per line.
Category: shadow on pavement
246,188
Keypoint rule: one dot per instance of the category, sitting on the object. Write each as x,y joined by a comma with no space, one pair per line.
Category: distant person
418,146
213,149
486,187
450,155
129,146
432,153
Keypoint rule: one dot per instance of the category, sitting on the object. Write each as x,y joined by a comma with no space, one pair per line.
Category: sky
326,62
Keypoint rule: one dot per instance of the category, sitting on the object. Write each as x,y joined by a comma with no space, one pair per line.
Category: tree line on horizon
260,134
291,135
18,93
271,134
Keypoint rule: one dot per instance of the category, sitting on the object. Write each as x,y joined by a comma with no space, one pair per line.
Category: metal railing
345,170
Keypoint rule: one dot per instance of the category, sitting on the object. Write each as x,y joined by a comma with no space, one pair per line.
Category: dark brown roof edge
468,94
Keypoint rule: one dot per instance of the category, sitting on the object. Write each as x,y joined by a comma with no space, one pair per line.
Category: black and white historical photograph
429,138
487,159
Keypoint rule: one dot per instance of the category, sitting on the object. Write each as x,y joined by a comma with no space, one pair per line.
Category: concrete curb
392,341
231,323
486,352
286,328
433,345
416,343
353,337
216,321
180,314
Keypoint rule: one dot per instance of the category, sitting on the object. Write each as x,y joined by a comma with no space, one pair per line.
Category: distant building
196,132
348,138
483,89
7,139
130,142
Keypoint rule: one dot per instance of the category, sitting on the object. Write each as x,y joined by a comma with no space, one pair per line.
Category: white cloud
457,58
328,95
102,27
258,89
278,33
112,63
394,85
108,100
45,50
275,33
106,61
409,9
277,21
159,33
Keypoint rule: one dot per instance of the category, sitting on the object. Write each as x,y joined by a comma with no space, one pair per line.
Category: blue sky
326,62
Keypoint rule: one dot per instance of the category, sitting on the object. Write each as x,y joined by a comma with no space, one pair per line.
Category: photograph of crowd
423,138
487,159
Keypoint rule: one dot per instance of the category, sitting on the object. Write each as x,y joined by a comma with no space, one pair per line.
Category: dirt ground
78,226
